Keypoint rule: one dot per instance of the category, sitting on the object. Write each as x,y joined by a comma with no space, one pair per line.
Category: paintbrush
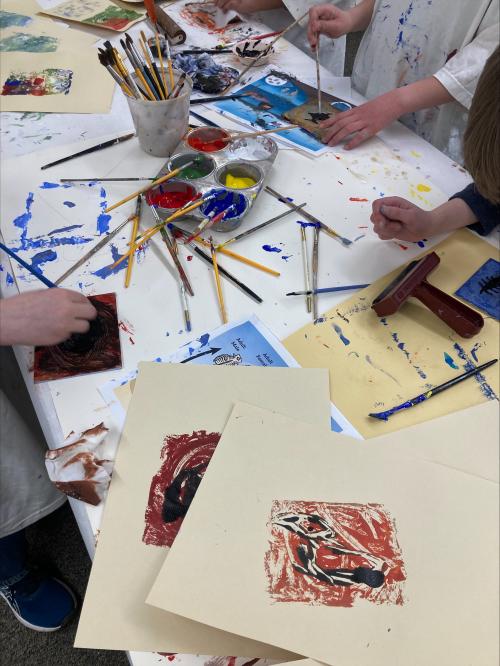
327,290
169,65
201,51
119,80
345,241
239,257
315,266
250,38
318,82
102,180
137,69
248,135
178,86
154,183
135,226
218,98
209,221
257,228
220,295
271,44
384,416
162,66
142,66
207,259
187,315
151,64
203,120
98,246
29,268
92,149
305,264
175,258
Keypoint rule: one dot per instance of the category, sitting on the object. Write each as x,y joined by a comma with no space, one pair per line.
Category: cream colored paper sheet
376,364
97,13
174,399
81,85
444,539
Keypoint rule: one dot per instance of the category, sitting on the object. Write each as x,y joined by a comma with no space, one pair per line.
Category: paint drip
222,200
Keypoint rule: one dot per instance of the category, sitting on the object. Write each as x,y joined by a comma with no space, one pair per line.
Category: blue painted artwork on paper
483,288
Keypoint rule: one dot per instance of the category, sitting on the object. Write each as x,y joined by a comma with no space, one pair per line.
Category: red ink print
333,554
357,199
184,461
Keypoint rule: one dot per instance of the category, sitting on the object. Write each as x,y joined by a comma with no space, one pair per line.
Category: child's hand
242,6
394,217
363,122
44,317
327,20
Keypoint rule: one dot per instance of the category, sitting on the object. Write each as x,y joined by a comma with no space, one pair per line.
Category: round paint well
253,149
223,199
171,196
239,171
208,139
341,106
203,166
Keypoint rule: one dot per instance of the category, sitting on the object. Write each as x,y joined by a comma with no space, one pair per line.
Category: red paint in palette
172,195
208,139
184,461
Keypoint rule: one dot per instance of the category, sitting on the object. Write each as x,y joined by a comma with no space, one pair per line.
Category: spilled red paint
403,247
126,327
308,560
357,199
189,257
180,455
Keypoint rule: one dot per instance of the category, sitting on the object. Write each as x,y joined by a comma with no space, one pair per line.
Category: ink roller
171,30
412,281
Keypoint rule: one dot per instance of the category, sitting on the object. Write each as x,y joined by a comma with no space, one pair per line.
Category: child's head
482,136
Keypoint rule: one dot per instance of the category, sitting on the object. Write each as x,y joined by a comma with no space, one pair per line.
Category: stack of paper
238,524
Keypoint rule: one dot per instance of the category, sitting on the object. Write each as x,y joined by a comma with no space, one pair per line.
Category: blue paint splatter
448,359
474,350
41,258
271,248
49,186
341,335
203,340
106,271
320,320
286,257
69,204
401,347
60,230
9,279
486,389
103,218
420,243
22,220
158,359
383,321
336,427
307,224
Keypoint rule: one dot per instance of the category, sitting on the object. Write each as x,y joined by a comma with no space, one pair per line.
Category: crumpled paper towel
76,468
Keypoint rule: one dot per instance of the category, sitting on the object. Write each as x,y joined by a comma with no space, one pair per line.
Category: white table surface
151,304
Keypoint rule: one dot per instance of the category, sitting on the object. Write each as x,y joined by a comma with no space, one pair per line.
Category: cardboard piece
346,555
174,399
378,363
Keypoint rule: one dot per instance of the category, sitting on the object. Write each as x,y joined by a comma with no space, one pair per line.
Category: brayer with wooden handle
412,282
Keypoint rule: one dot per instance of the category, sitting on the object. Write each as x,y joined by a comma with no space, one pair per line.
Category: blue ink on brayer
448,359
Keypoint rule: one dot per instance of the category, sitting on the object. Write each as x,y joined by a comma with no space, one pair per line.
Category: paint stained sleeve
488,214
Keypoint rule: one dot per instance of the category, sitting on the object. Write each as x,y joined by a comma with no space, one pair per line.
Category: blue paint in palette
223,199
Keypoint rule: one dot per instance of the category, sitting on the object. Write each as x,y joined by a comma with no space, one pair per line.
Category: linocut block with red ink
184,461
333,554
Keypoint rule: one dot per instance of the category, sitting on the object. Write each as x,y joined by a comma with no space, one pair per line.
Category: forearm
361,15
7,323
421,95
454,214
262,5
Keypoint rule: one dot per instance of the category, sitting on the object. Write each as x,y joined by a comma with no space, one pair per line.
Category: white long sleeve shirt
409,40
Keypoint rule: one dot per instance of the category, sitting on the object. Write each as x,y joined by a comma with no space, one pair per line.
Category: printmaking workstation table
150,309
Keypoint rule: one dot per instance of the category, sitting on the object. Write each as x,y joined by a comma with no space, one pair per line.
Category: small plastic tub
341,106
253,51
239,176
253,149
203,167
208,139
223,199
170,196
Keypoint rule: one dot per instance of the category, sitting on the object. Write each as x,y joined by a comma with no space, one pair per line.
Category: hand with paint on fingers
362,122
394,217
327,20
45,317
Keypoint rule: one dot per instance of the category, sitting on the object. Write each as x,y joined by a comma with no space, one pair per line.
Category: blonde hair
482,136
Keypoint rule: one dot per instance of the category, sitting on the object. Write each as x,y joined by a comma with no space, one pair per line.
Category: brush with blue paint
384,416
327,290
29,268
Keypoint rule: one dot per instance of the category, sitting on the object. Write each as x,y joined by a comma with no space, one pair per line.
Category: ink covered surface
234,539
482,289
173,400
377,363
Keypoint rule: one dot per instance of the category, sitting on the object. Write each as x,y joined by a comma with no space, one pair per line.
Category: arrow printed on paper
212,350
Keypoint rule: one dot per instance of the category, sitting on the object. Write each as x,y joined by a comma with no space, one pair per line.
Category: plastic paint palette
218,165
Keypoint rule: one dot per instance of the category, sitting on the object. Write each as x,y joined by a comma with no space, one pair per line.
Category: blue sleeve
488,214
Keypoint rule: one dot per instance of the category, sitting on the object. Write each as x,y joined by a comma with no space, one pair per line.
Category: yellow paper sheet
435,529
173,399
376,364
82,83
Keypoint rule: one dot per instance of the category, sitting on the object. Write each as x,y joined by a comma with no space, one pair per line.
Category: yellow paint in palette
239,182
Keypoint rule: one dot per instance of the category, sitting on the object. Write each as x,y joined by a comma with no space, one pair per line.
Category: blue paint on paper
486,389
9,279
69,204
402,347
41,258
1,268
106,271
158,359
448,359
61,230
286,257
271,248
473,351
334,426
307,224
483,288
359,238
420,243
22,220
341,335
203,340
103,218
49,186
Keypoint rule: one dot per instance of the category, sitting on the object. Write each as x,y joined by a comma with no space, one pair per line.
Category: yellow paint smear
423,188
